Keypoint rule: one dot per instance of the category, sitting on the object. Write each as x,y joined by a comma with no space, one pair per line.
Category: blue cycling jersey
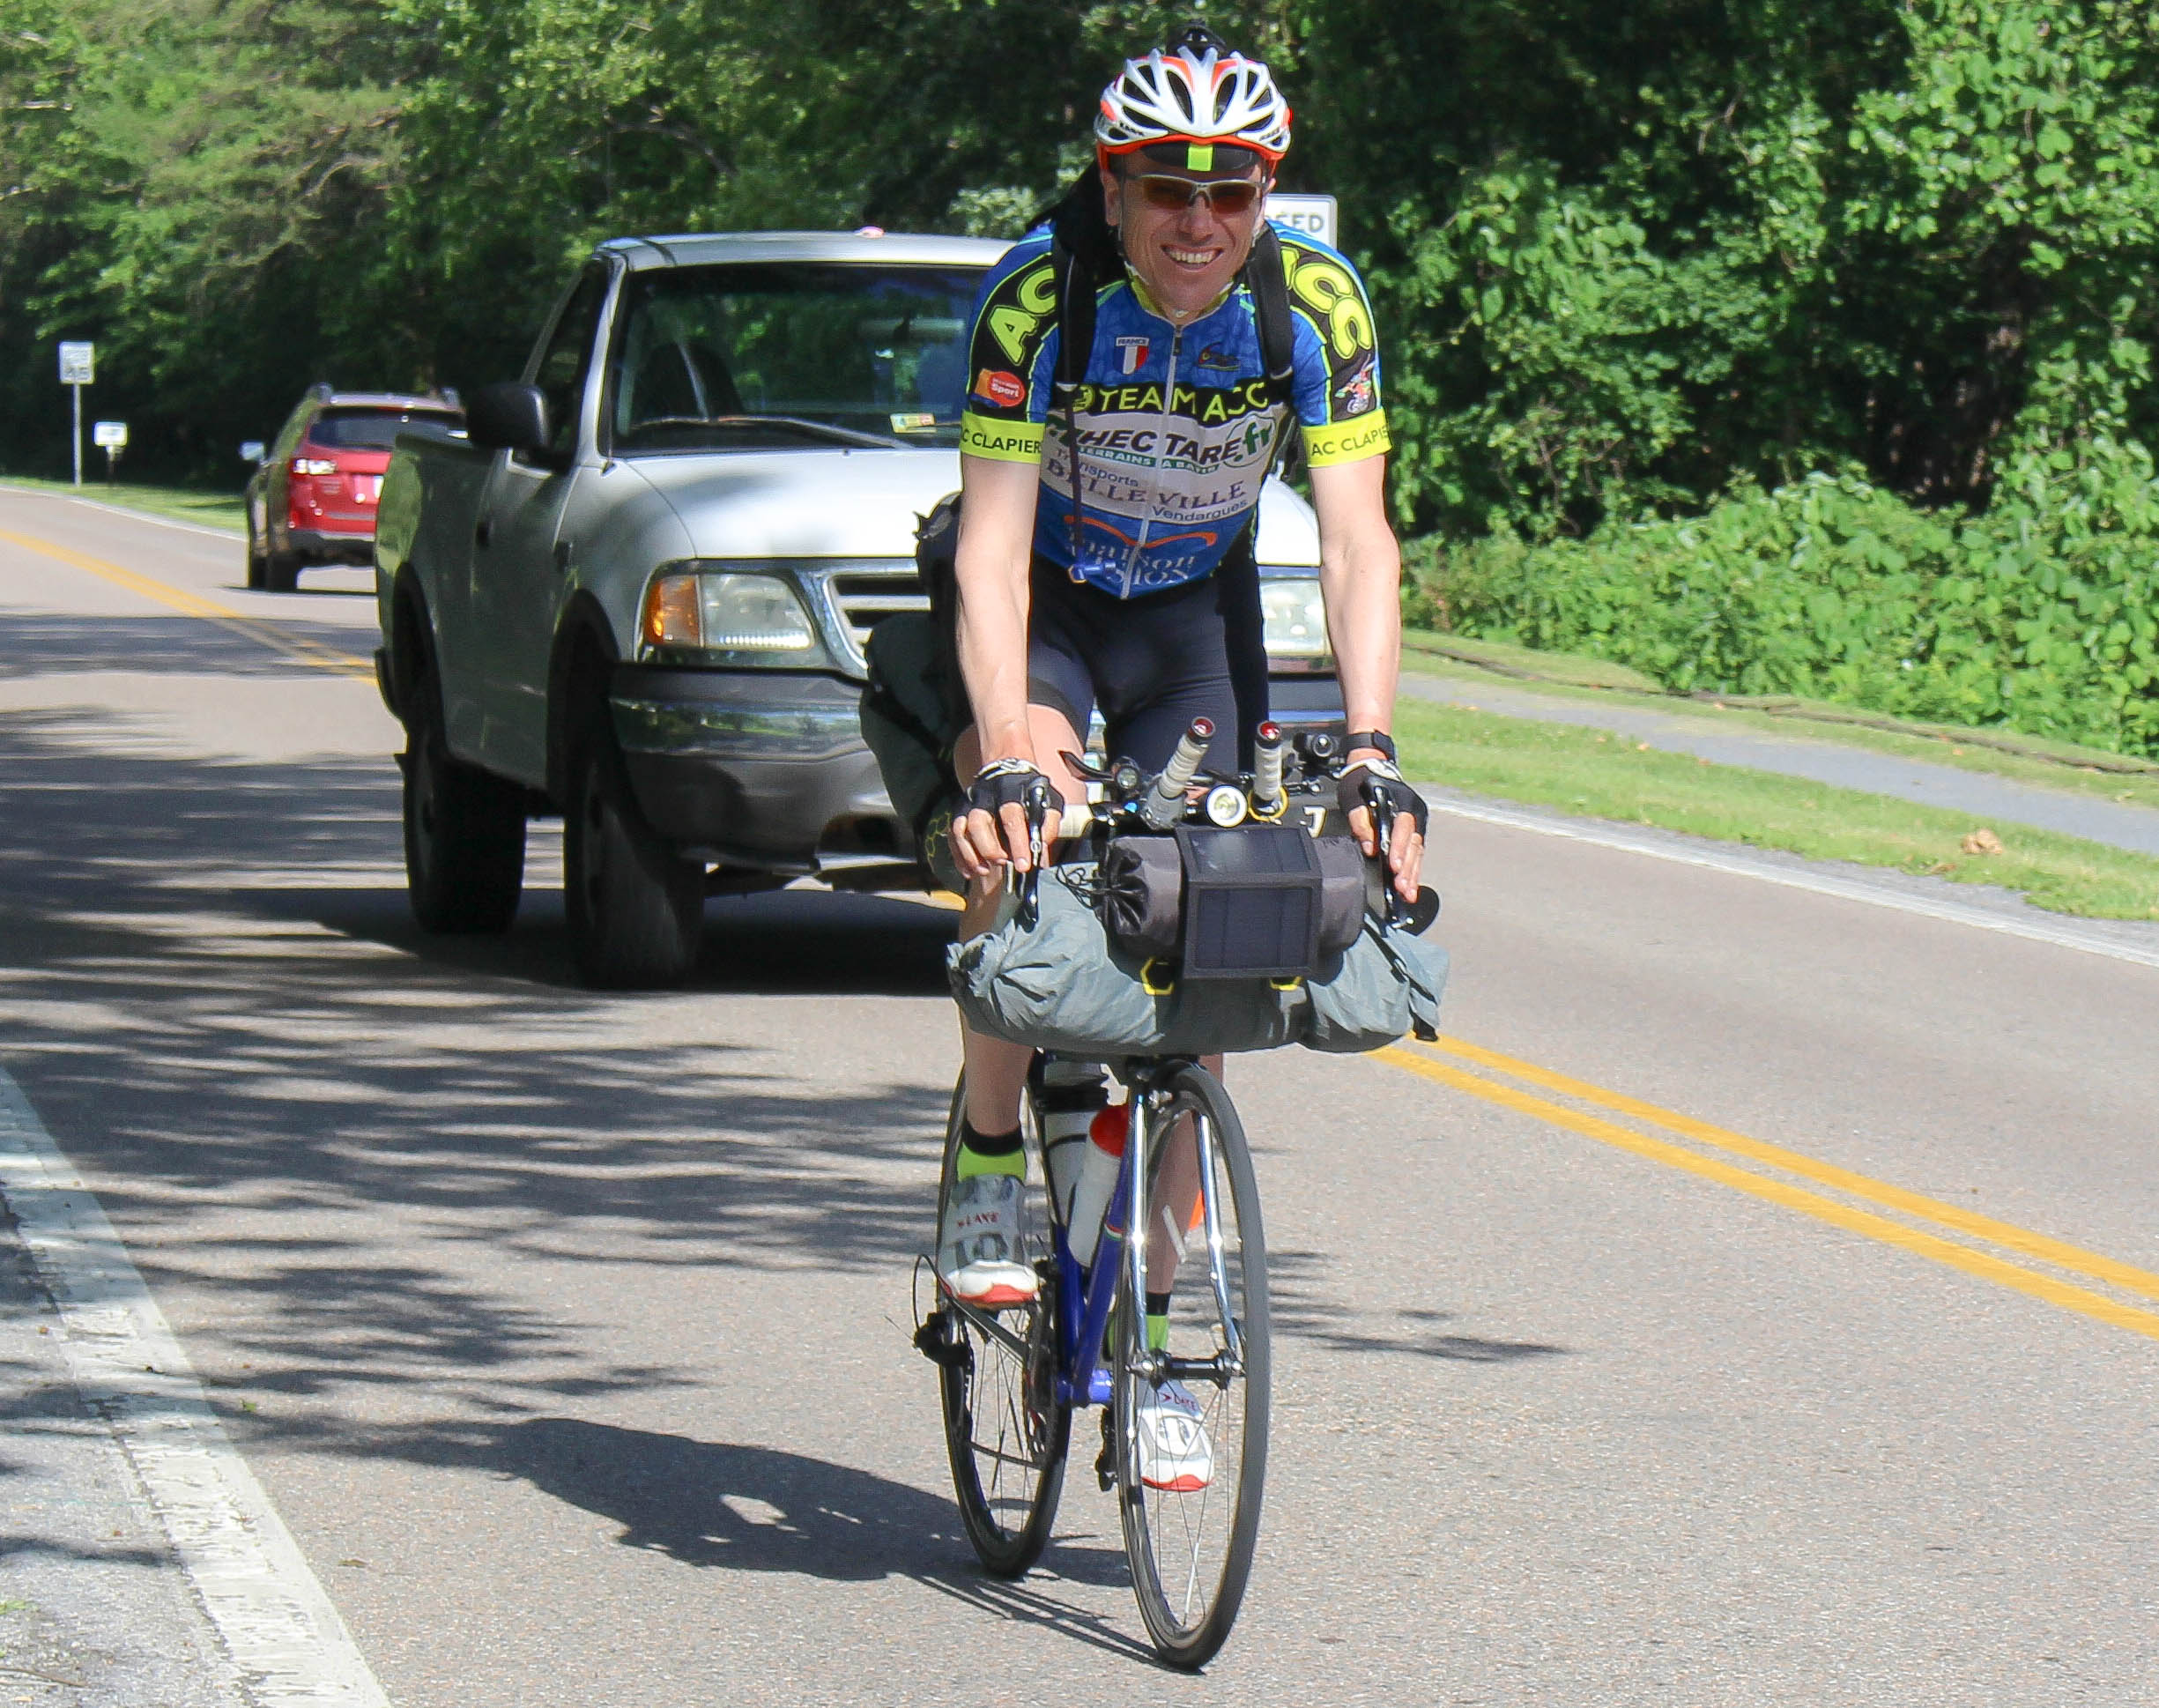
1175,429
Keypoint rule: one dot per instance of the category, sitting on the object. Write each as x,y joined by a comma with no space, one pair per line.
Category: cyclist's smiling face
1186,256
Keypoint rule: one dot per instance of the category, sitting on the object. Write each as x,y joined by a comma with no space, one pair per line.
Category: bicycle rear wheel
1190,1547
1005,1431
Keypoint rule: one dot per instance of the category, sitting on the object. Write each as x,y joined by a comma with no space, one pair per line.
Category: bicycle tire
1007,1465
1191,1560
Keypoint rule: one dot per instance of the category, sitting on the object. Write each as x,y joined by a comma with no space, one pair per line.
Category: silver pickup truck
723,437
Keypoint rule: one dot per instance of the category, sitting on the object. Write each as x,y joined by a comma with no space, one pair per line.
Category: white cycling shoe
1175,1453
981,1242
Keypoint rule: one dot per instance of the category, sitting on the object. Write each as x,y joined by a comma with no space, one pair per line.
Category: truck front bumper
767,768
763,769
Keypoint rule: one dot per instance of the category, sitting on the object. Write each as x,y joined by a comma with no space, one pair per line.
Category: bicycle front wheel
1192,1518
1005,1431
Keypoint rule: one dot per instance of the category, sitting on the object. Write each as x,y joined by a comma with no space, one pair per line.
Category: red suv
312,498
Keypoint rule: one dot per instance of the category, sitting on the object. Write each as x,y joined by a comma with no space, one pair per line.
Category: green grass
1421,647
207,509
1598,774
2038,761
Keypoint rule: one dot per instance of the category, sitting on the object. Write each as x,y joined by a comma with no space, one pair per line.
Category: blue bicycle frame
1086,1294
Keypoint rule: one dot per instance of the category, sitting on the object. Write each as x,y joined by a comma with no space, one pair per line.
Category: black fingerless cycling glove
1378,776
1004,782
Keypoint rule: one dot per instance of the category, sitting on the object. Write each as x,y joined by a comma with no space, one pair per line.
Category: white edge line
279,1626
1848,889
228,535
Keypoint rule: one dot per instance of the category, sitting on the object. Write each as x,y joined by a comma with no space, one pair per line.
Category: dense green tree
1625,251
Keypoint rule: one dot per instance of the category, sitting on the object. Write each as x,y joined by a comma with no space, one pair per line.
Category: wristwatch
1376,739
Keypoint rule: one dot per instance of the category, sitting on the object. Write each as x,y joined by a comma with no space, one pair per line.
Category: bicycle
1011,1378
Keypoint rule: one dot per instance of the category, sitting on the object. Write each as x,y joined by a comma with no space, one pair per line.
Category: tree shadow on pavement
263,1079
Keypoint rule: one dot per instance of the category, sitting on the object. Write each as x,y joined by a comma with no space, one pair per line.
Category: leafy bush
2040,613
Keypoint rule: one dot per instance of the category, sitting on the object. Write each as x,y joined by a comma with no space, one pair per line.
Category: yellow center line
194,604
1931,1246
2058,1253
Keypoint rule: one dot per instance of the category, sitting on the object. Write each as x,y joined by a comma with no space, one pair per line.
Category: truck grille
865,594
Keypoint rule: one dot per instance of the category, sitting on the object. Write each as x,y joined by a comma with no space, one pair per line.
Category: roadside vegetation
205,508
1593,774
1757,346
1993,752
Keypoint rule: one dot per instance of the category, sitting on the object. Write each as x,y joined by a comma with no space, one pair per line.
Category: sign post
112,436
1310,216
78,369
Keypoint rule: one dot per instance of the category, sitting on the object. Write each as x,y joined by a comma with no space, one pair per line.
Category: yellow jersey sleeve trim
1347,442
1005,441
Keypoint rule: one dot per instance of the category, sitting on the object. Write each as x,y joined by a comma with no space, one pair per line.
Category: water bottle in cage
1068,1096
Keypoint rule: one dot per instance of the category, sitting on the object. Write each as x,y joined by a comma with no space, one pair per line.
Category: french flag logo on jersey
1133,353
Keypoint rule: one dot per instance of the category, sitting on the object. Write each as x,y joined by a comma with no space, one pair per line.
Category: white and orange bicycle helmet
1196,91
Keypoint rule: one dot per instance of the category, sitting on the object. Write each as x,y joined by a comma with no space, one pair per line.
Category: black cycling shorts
1152,664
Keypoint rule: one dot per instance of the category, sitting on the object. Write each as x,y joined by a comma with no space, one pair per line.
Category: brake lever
1037,822
1382,839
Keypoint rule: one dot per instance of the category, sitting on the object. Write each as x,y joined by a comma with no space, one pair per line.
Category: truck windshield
763,356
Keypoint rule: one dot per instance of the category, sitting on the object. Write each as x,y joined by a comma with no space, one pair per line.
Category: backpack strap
1270,287
1074,284
1244,633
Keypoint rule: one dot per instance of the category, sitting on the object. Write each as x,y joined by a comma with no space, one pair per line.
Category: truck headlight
1295,620
729,617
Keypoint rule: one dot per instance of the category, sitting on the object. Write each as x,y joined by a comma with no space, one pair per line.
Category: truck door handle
485,532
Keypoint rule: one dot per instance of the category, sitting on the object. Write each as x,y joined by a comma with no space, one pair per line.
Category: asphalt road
569,1333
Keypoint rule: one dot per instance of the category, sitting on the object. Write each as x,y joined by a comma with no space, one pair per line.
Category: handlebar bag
1161,893
1065,984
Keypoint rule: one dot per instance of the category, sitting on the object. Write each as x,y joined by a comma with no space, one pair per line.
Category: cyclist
1097,586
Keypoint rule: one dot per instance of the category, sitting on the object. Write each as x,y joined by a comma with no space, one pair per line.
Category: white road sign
111,434
78,364
1311,215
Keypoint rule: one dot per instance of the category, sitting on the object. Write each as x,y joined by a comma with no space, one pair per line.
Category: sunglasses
1225,196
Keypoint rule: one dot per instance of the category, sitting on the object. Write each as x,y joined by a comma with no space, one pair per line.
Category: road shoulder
155,1565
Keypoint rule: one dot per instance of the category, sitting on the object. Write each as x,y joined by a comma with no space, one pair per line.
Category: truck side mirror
251,451
509,415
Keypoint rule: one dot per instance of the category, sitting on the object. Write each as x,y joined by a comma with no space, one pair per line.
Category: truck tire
258,567
463,830
636,912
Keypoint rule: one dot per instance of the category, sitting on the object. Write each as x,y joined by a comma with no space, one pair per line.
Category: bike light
1296,621
313,465
749,619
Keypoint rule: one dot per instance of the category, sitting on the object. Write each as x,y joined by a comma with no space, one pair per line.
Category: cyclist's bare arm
1360,576
997,535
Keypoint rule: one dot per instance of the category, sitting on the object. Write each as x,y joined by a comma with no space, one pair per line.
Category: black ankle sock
1158,1305
1004,1144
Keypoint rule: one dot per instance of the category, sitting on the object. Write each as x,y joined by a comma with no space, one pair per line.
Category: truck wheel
463,831
636,911
258,567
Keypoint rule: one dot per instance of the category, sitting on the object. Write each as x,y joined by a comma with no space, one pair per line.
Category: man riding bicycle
1097,585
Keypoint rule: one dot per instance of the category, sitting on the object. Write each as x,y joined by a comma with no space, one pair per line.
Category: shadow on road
304,1049
1310,1300
743,1508
785,943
